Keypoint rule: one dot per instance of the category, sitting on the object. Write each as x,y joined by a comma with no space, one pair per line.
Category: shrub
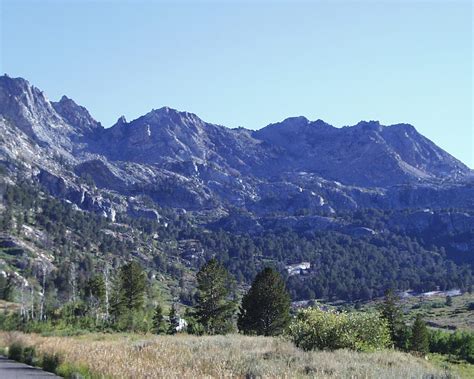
317,329
29,355
195,327
51,362
68,370
10,322
15,352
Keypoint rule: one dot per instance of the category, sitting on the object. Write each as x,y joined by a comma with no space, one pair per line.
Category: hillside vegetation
38,230
184,356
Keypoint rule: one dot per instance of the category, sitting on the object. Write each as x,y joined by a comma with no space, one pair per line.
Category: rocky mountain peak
371,125
76,115
121,120
18,92
27,107
169,117
292,123
13,86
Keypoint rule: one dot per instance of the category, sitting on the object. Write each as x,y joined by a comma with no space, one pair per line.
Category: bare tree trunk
42,292
106,273
23,311
32,304
73,282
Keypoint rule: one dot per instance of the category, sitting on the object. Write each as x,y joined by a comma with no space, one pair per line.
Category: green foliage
215,306
29,355
137,321
391,311
419,341
265,308
51,362
20,353
15,352
173,320
458,344
6,287
159,323
72,371
130,292
329,330
95,288
11,321
194,326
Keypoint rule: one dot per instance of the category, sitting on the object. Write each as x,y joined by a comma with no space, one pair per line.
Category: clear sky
250,63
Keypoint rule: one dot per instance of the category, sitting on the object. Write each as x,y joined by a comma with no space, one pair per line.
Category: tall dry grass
183,356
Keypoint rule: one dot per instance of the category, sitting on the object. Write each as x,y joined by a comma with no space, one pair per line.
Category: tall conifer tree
215,307
265,308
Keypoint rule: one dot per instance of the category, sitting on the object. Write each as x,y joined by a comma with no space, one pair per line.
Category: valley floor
184,356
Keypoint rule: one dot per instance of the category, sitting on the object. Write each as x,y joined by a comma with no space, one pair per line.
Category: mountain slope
367,154
174,188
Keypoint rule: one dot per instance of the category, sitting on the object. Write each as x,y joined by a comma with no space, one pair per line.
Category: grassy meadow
236,356
436,312
456,316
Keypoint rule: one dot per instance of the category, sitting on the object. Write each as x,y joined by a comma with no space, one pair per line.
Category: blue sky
250,63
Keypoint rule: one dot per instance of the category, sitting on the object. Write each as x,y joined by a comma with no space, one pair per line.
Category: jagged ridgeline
343,213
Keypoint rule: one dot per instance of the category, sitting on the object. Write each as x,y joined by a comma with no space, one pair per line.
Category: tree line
120,303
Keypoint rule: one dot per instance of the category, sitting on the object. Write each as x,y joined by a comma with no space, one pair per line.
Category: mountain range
367,206
177,160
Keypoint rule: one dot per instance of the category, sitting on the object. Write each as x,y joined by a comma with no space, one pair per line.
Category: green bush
10,322
29,355
195,328
67,370
15,352
317,329
51,362
459,344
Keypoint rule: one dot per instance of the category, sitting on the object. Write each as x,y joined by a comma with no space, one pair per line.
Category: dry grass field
183,356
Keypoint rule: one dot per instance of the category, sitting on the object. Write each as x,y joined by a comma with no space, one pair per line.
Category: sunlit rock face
175,159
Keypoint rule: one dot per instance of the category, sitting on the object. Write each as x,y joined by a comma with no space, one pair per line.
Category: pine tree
392,312
173,320
130,289
419,341
215,308
159,324
95,288
265,307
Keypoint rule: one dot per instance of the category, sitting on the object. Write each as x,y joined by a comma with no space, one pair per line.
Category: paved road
13,370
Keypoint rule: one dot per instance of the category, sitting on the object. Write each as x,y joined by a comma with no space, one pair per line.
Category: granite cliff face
366,154
177,160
